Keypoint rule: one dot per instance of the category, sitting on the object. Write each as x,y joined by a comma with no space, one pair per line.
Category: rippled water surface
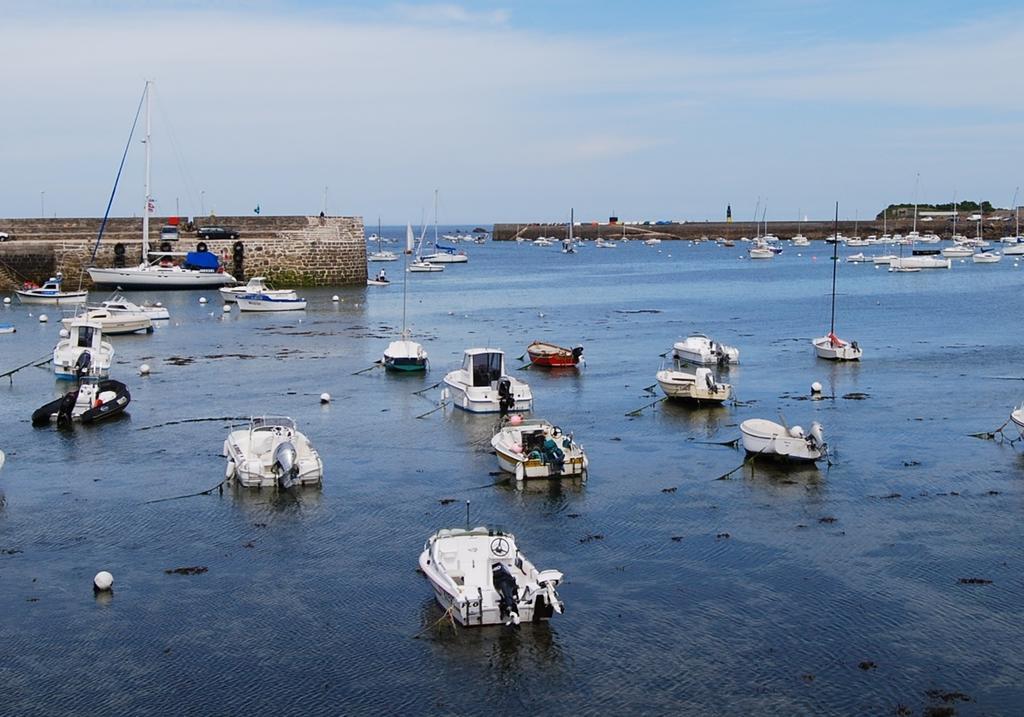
829,590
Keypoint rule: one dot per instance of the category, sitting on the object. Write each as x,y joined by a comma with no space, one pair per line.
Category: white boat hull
1017,416
485,399
684,386
270,304
250,457
766,438
64,298
519,451
920,262
114,323
826,349
444,258
156,277
699,349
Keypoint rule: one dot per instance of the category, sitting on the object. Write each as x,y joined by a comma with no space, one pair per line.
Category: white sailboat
831,347
418,263
405,354
444,254
200,269
381,254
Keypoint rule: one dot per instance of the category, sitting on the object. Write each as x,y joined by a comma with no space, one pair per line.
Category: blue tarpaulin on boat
201,260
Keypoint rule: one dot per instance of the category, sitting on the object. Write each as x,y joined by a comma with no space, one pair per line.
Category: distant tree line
896,210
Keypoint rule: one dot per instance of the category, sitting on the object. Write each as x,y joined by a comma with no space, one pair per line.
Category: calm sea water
829,590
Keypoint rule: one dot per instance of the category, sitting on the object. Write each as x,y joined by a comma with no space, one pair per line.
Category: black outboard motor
577,352
287,464
67,406
508,590
83,363
506,401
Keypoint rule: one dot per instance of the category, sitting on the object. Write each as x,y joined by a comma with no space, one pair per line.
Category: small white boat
7,329
542,241
884,258
604,244
380,280
698,386
94,400
858,258
1014,250
920,262
1017,417
271,453
800,240
255,285
383,256
760,251
957,251
833,348
904,269
480,577
2,459
761,437
114,322
424,267
653,241
50,293
534,448
699,349
987,257
83,352
118,304
482,386
263,302
447,255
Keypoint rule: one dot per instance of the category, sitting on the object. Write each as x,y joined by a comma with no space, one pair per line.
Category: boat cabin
87,335
484,366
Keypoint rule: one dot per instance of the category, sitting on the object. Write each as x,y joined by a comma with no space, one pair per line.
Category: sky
514,111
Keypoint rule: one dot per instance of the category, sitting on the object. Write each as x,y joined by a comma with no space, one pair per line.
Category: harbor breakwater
697,231
288,250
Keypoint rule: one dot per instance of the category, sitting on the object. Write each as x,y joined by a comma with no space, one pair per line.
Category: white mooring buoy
334,298
815,387
43,318
7,299
64,333
202,299
227,308
144,369
325,398
103,581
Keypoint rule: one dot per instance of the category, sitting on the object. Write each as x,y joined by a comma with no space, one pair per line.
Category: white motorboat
698,386
699,349
2,459
118,304
7,329
482,386
271,453
542,241
534,448
761,437
920,262
380,280
255,285
50,293
760,250
858,258
114,322
830,346
987,257
93,400
480,577
800,240
883,259
200,270
418,266
653,241
83,352
263,302
1014,250
605,244
1017,417
957,251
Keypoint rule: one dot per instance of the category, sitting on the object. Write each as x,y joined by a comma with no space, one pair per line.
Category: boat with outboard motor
264,302
483,386
480,577
271,452
549,355
114,322
118,304
50,293
534,448
83,352
255,285
761,437
698,386
94,400
405,354
699,349
830,346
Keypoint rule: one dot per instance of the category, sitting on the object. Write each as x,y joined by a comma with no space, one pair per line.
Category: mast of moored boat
405,276
835,262
955,213
149,199
916,183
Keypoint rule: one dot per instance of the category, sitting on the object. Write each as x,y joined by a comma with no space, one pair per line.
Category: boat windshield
85,336
486,368
259,422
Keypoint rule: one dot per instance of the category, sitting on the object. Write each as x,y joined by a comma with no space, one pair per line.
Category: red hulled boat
549,355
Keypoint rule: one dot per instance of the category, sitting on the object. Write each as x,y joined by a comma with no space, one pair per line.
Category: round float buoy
202,299
334,298
103,581
43,318
227,308
144,369
159,304
815,387
516,420
64,333
325,398
7,299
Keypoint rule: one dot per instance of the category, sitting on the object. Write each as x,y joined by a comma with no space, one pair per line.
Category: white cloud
449,13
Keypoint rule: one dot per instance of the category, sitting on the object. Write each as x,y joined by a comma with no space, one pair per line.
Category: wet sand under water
829,590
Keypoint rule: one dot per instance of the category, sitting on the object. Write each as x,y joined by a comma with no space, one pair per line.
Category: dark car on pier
217,233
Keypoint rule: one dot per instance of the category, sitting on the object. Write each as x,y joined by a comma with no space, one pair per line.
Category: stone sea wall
290,251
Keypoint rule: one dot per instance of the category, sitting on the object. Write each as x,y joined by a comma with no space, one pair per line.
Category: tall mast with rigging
149,198
835,261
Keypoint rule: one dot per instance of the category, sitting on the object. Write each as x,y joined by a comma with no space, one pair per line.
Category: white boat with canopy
761,437
697,386
534,448
271,453
118,304
701,350
114,322
483,386
50,293
480,577
83,352
255,285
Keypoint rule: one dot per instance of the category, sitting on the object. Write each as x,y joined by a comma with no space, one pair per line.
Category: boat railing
270,422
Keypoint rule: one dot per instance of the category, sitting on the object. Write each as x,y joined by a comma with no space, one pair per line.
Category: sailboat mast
916,183
572,220
405,277
835,262
955,213
149,199
435,220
